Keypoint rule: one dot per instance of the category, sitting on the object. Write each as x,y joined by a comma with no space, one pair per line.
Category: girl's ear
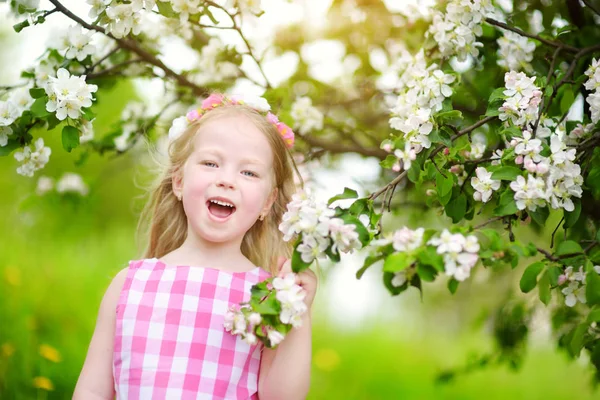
270,201
177,183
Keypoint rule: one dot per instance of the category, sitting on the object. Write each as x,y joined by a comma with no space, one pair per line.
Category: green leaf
540,215
506,173
165,9
38,108
389,161
440,136
566,100
594,316
452,285
414,173
448,116
457,207
429,256
571,217
360,206
396,262
394,290
298,265
495,102
568,247
370,260
36,93
577,339
21,25
363,233
529,278
348,194
506,204
444,185
88,114
553,274
592,288
9,148
70,138
426,272
544,288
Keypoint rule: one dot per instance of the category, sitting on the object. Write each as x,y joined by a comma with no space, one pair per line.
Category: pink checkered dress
169,340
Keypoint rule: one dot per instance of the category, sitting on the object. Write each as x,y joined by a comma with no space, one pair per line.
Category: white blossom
456,30
72,183
406,156
448,242
45,184
291,296
405,239
211,67
177,128
67,94
275,337
5,132
306,117
593,85
123,20
483,184
32,159
9,112
97,7
459,253
399,278
21,99
73,42
515,51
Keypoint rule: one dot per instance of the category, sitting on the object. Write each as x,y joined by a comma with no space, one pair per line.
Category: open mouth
220,208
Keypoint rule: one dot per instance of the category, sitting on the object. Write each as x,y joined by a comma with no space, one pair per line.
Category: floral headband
213,101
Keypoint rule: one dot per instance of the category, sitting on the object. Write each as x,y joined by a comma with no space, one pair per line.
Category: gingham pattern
169,340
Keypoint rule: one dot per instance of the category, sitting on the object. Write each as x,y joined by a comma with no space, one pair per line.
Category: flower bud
562,279
519,160
250,339
275,337
498,254
456,169
513,143
446,151
430,192
387,147
396,167
254,318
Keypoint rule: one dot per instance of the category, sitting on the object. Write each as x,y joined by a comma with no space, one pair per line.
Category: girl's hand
307,279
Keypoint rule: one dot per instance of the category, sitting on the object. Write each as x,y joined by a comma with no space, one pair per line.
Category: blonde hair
164,220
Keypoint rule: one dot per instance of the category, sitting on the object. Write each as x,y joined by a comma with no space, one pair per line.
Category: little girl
214,220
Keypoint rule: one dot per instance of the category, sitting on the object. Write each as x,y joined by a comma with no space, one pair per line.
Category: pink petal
212,101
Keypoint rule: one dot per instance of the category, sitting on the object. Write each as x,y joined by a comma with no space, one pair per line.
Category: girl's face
231,164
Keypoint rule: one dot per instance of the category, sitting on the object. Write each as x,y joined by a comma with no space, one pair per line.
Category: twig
134,47
547,254
489,221
548,77
589,4
113,68
463,132
110,53
239,30
554,232
343,148
396,180
529,35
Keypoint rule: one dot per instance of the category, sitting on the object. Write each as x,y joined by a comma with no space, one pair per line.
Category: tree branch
343,148
134,47
529,35
589,4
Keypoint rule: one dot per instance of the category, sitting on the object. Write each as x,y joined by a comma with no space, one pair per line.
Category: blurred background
59,251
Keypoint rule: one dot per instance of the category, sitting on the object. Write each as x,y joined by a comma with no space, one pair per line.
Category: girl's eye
209,163
250,173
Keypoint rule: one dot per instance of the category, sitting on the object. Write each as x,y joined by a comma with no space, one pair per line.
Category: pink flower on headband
212,101
272,118
286,133
193,115
215,100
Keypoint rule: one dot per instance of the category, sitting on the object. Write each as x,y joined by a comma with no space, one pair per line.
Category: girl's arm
96,378
285,371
